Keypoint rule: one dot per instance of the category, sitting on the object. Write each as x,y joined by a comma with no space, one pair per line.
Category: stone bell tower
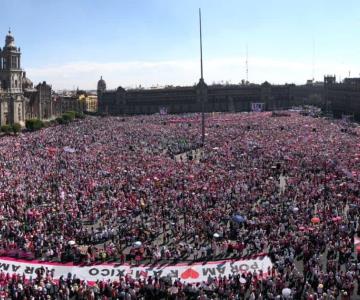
12,110
10,70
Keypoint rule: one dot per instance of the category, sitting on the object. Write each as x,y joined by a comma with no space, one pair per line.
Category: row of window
5,84
14,62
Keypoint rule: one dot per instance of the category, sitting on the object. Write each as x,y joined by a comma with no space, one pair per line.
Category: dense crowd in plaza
114,189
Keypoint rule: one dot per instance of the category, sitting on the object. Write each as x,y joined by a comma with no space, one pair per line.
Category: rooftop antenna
313,60
247,65
202,86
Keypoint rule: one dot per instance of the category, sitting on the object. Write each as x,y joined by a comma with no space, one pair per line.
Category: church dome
27,83
9,40
101,86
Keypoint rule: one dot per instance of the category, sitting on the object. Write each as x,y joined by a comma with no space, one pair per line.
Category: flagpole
201,56
201,86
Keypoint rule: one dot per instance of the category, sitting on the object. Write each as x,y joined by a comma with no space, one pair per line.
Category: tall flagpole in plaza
201,58
201,86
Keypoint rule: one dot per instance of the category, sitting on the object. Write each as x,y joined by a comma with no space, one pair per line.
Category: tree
6,128
34,124
79,115
16,128
67,117
60,120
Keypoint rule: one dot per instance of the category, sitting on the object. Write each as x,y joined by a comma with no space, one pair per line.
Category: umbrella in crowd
295,209
286,292
315,220
137,244
238,219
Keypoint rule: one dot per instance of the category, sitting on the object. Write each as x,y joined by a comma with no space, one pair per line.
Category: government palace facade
336,98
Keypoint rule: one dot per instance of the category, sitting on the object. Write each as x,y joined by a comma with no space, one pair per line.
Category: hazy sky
70,43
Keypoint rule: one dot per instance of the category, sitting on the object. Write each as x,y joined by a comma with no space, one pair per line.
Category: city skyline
148,43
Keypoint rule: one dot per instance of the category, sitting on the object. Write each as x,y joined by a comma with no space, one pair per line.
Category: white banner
196,272
257,106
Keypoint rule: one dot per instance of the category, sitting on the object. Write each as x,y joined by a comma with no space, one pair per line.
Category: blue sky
70,43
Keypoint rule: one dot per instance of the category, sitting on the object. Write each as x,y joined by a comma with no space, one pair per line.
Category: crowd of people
114,189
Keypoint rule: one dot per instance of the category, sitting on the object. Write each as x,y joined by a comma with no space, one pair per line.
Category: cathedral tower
12,105
10,70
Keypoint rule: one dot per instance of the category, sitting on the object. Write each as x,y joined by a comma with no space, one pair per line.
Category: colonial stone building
40,104
343,98
64,103
220,98
19,99
90,102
